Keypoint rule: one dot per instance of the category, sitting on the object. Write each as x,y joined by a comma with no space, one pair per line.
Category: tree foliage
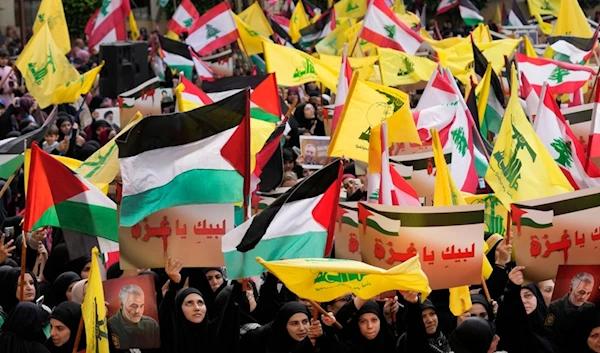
78,12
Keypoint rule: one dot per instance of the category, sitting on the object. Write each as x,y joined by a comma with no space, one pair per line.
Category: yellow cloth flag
298,21
410,19
172,35
481,34
544,7
52,13
482,92
102,167
72,90
72,163
529,49
399,7
368,105
334,41
571,21
93,310
364,66
255,18
399,68
324,280
250,38
544,26
133,27
351,8
446,193
497,18
44,66
520,166
295,67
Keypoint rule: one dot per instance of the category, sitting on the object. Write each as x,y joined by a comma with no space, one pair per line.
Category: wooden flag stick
78,337
485,290
508,226
318,308
23,265
7,184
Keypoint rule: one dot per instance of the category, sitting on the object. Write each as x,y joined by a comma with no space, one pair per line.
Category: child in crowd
50,140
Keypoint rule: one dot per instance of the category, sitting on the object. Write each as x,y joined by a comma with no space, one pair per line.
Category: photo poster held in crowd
418,170
314,151
347,244
261,200
148,98
112,115
125,297
191,233
448,240
562,284
221,63
557,230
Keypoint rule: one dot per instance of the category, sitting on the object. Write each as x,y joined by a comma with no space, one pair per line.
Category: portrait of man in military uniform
129,328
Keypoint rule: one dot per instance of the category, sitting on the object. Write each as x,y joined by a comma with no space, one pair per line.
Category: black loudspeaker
125,67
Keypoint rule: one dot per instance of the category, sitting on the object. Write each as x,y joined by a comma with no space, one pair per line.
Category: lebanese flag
463,161
561,77
438,91
530,96
108,24
564,147
439,117
183,18
594,141
299,224
343,87
58,197
204,71
213,30
382,27
446,5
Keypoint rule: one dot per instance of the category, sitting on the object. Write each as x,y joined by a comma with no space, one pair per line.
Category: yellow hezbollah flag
446,193
481,34
497,18
102,167
323,280
172,35
251,39
529,49
520,166
571,21
334,41
72,90
409,19
351,8
399,7
544,26
44,66
364,66
368,105
544,7
399,68
255,18
294,67
298,21
133,27
93,310
52,13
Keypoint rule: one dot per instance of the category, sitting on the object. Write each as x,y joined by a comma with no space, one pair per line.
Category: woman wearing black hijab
10,285
64,322
61,289
306,117
23,330
190,331
423,334
474,335
66,130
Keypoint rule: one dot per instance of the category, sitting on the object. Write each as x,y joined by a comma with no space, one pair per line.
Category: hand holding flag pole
23,252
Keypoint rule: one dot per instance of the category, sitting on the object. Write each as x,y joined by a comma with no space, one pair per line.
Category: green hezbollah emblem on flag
251,32
351,6
307,69
391,30
409,68
378,112
334,277
211,32
512,169
458,136
546,6
565,155
42,72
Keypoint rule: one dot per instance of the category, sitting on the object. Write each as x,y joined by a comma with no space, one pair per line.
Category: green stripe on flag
528,222
261,114
9,167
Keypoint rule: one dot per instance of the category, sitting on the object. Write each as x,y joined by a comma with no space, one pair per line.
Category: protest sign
557,230
347,244
191,233
147,98
567,273
448,240
314,151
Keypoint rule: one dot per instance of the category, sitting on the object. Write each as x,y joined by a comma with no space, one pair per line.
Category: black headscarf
88,149
59,288
22,331
481,299
62,117
10,281
384,342
537,317
78,264
58,262
187,336
474,335
97,124
279,340
69,313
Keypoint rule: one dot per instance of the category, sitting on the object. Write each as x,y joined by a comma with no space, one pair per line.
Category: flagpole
247,171
22,18
7,184
23,249
318,308
594,87
78,337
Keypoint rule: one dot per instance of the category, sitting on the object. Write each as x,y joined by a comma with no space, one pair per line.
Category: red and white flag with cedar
204,71
594,141
107,25
383,28
564,147
184,17
343,87
531,97
387,186
213,30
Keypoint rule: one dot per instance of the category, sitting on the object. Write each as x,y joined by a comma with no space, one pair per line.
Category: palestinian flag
515,17
529,217
204,71
274,174
572,49
163,158
177,55
481,63
12,149
189,96
561,77
470,13
318,30
58,197
299,224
